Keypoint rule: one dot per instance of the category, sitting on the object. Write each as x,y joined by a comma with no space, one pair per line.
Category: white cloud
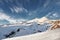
31,13
19,9
53,14
48,14
3,16
12,10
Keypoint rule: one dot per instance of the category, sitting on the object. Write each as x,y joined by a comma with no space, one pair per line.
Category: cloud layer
21,10
6,17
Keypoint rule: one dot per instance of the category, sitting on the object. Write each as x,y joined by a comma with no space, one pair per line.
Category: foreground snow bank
48,35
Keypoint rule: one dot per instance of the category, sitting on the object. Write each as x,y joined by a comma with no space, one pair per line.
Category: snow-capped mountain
39,19
46,35
24,28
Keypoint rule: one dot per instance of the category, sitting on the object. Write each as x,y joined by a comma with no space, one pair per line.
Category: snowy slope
48,35
26,28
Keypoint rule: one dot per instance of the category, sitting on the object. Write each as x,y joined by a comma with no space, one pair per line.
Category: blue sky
20,10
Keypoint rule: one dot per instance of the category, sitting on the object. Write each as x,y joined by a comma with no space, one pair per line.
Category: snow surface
25,29
48,35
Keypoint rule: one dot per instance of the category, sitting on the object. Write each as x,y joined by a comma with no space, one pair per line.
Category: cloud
48,14
35,12
53,15
12,10
46,3
4,16
18,9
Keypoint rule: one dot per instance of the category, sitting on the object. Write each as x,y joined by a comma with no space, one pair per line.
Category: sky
12,11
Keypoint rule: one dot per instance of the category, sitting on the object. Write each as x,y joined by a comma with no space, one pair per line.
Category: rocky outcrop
55,24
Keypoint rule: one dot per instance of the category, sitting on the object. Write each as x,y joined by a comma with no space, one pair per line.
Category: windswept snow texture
21,29
48,35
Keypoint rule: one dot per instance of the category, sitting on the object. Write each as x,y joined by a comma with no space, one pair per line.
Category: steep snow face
48,35
21,29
